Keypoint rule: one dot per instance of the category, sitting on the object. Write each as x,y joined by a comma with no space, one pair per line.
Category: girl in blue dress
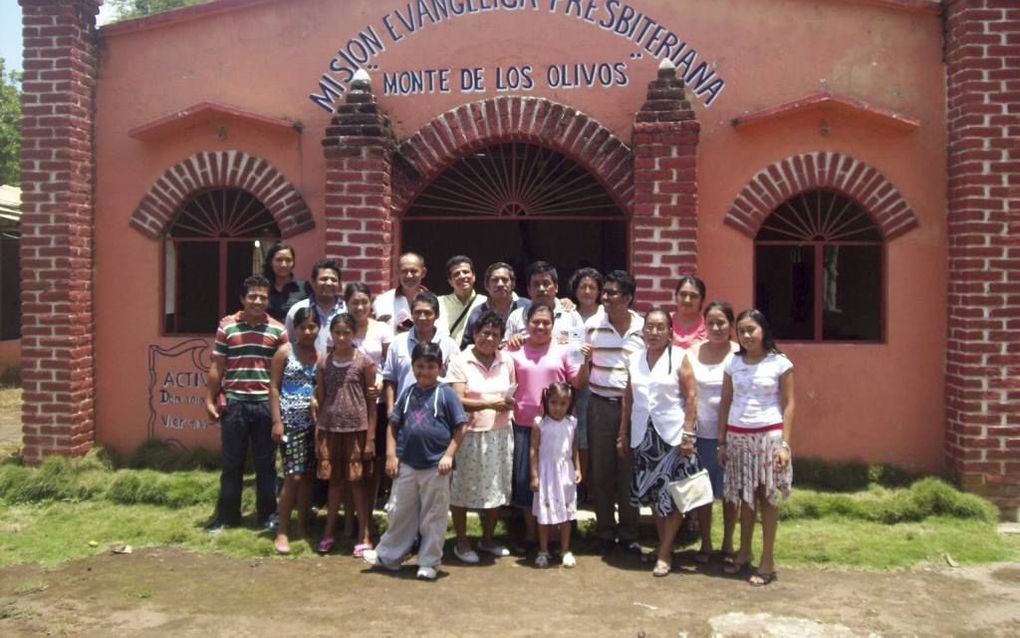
290,397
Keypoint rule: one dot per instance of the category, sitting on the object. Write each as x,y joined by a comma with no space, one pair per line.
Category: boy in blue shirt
425,430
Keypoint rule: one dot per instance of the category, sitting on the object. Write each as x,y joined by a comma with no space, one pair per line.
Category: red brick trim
469,127
799,173
222,169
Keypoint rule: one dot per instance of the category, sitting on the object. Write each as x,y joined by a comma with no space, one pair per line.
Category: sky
10,31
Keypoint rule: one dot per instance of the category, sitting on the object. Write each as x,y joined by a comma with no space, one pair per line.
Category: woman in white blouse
708,360
658,417
755,421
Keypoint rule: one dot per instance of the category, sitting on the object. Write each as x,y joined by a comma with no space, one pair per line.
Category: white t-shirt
756,397
709,378
390,304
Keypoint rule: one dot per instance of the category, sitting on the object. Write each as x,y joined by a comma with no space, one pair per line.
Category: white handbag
691,492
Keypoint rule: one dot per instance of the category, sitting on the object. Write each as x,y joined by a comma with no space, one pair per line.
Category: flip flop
282,547
360,548
325,545
662,568
734,568
759,579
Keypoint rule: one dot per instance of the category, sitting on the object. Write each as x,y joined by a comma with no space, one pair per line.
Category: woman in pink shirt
483,376
538,363
688,324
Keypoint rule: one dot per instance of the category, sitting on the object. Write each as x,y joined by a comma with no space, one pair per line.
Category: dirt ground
164,591
174,592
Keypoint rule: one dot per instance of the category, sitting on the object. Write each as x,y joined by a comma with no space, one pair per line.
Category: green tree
127,9
10,126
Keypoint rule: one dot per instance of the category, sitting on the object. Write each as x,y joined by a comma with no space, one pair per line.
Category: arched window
216,241
819,270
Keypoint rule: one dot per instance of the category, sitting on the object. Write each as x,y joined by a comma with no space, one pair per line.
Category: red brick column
57,208
664,229
359,146
983,348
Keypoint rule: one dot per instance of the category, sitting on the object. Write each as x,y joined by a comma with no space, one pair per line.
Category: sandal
325,545
734,568
662,568
758,579
360,548
703,557
281,546
542,560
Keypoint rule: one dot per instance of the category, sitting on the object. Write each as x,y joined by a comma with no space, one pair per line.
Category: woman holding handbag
755,420
658,418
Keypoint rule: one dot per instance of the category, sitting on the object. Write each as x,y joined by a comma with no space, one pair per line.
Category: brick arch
799,173
222,169
470,127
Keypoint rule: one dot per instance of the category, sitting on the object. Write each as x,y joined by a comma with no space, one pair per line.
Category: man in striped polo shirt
613,336
245,344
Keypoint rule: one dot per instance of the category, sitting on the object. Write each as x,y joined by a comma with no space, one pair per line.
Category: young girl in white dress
555,470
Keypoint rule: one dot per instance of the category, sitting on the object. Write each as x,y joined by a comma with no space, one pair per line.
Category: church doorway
516,202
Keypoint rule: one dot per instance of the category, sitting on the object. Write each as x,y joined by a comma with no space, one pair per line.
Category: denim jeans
241,423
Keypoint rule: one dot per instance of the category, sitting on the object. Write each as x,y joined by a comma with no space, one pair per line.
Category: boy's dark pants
242,422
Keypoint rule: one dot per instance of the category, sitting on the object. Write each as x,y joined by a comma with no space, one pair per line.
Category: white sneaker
371,557
569,560
542,560
427,573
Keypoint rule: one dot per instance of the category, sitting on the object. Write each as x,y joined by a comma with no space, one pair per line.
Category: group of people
475,402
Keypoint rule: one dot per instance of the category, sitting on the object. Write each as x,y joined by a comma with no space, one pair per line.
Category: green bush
928,497
58,479
938,498
12,478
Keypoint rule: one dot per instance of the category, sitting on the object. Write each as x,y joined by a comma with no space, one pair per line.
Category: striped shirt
609,352
248,352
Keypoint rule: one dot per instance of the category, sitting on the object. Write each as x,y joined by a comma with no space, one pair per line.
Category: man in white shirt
613,336
394,305
543,284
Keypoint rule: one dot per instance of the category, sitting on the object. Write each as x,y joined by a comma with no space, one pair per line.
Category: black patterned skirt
656,465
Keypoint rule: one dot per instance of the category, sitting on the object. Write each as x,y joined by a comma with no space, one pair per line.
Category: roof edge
177,16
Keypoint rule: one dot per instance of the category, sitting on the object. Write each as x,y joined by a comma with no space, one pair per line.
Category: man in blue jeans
242,355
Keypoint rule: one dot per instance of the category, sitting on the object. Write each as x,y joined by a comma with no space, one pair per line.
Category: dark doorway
517,203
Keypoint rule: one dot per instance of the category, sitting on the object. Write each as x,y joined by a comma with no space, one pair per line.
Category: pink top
483,383
685,337
536,368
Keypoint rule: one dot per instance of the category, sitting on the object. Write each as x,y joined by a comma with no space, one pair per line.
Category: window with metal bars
819,270
217,240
